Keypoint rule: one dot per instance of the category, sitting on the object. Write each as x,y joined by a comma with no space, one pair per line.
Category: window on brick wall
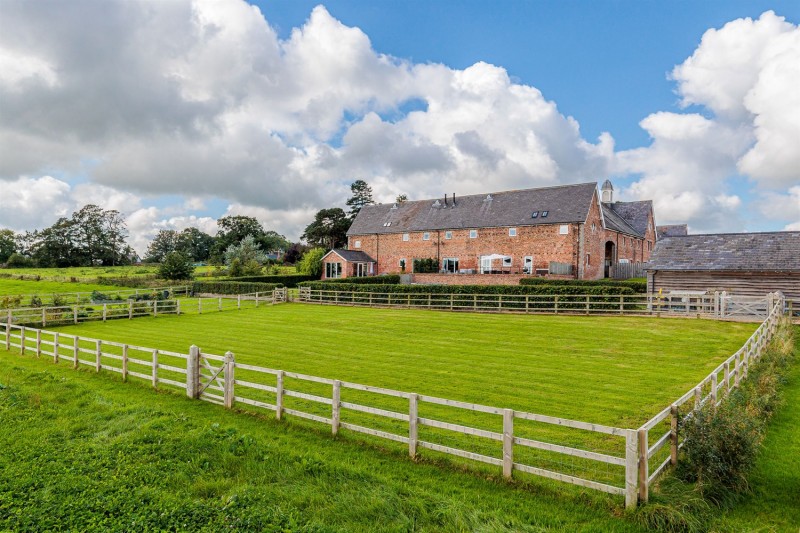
473,234
406,236
588,259
448,235
450,264
357,244
563,229
594,227
527,264
403,265
512,232
333,270
426,236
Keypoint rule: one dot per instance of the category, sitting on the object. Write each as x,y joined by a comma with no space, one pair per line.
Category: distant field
80,273
45,289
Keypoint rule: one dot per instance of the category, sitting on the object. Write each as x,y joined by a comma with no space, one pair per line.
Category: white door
527,264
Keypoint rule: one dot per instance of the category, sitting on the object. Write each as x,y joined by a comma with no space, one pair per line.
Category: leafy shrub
426,266
17,260
637,285
311,263
721,444
176,266
35,301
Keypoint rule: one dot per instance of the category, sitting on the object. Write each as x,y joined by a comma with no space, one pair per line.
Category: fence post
75,351
673,434
722,298
155,307
75,314
38,343
631,468
8,329
230,364
644,466
336,406
105,311
22,340
238,301
279,395
155,369
714,389
199,306
219,304
130,309
193,372
621,304
728,376
256,299
124,362
587,304
698,396
508,443
556,305
97,354
55,347
44,317
413,427
177,306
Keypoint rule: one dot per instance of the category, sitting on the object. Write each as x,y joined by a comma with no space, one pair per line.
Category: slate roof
741,252
351,256
564,204
635,214
616,222
674,230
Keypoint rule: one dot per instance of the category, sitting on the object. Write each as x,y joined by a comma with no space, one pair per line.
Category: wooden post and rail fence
222,380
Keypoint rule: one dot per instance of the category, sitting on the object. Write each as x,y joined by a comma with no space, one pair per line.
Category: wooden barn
745,264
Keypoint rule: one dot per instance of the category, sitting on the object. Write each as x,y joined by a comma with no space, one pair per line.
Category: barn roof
562,204
351,256
615,222
741,252
635,214
674,230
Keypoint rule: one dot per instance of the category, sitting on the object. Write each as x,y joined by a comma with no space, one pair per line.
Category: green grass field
45,289
81,273
607,370
82,436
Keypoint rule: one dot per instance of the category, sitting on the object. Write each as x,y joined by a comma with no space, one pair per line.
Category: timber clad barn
563,231
747,264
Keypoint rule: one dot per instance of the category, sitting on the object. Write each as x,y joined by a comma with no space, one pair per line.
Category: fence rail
446,426
105,296
693,305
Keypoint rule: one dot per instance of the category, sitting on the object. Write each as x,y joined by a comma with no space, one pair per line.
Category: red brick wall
593,243
544,243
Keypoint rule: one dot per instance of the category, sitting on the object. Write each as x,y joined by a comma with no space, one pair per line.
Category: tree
8,244
247,251
294,253
362,195
176,266
232,230
195,244
329,229
311,264
272,240
163,243
401,198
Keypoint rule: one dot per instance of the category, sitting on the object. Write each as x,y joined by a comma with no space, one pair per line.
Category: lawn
609,370
46,288
81,273
88,453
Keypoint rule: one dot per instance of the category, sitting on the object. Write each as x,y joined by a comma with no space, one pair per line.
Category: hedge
486,295
289,280
386,279
232,287
638,286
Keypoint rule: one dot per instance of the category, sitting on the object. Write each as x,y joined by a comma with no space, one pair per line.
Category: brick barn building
564,231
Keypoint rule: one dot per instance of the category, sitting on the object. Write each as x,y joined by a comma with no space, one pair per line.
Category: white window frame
402,263
563,229
426,236
529,260
473,234
512,232
406,237
357,244
333,270
448,235
446,260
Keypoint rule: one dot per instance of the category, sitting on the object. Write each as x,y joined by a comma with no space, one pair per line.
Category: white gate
731,306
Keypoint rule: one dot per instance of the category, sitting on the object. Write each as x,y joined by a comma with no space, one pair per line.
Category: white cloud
33,202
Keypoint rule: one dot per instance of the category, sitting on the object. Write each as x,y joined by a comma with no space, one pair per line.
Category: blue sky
606,63
179,112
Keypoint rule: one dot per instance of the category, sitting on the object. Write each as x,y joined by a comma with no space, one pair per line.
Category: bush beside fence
232,287
287,280
637,286
384,279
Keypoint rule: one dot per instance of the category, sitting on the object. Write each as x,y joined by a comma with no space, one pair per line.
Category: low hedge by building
288,280
232,287
636,285
385,279
546,296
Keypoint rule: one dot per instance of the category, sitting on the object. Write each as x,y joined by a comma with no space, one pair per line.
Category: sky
177,113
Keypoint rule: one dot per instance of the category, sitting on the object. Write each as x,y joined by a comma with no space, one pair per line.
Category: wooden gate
211,378
279,295
743,306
